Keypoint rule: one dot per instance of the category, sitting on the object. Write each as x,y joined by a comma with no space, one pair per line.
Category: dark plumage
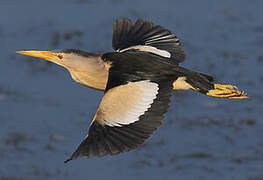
137,79
126,34
103,140
75,51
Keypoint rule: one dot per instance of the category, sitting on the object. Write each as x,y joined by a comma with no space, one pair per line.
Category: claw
226,91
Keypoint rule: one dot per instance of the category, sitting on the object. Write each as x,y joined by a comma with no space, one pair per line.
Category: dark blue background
44,114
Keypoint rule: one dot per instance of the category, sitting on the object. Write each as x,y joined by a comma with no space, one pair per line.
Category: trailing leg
203,83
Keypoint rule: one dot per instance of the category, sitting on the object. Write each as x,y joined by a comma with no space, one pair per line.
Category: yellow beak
41,54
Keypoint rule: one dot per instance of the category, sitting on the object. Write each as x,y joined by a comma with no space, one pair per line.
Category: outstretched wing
128,114
145,36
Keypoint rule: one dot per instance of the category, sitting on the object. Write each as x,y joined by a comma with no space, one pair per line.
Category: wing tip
127,35
73,156
66,161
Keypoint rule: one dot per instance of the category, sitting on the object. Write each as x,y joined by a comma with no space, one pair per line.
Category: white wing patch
150,49
124,104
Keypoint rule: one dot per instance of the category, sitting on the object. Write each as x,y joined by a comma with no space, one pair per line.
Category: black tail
200,82
208,77
203,84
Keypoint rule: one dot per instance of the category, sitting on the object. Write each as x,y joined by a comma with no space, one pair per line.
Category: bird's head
68,58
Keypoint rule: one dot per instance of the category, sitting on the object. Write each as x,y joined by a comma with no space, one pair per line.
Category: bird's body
138,80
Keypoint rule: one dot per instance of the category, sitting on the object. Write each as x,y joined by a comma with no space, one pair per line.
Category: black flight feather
126,34
114,140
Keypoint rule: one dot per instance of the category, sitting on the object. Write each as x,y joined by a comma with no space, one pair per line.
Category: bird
138,78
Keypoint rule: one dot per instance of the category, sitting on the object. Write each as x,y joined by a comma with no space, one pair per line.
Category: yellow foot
226,91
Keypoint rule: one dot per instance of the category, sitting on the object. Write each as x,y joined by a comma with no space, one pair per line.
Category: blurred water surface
44,114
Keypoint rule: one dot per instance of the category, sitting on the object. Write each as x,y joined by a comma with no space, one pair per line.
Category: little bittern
138,80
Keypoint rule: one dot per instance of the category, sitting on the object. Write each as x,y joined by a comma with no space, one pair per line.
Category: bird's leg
226,91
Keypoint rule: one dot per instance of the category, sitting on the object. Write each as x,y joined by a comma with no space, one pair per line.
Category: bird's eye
60,56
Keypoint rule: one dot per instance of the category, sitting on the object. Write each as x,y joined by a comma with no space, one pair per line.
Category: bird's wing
128,114
145,36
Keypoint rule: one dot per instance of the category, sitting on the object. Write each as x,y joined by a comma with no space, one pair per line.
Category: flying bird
138,79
